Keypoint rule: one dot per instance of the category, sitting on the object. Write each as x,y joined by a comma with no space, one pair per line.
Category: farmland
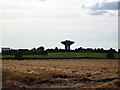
66,55
72,73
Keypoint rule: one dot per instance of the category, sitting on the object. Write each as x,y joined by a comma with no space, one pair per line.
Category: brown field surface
67,73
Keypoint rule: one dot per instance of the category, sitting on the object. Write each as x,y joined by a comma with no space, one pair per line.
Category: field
65,55
72,73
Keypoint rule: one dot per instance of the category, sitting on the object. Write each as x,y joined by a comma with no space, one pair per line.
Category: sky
35,23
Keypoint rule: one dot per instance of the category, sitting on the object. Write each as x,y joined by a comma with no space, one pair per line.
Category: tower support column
65,47
68,47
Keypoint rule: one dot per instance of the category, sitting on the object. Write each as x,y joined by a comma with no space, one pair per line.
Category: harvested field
70,73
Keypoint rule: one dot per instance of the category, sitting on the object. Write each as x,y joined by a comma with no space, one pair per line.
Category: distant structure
67,44
5,49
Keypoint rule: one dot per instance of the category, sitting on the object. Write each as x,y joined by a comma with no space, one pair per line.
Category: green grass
65,55
117,55
76,55
7,56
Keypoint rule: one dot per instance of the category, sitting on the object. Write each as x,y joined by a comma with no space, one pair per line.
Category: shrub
19,55
110,55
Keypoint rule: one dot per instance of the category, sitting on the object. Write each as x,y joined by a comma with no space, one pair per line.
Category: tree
33,49
112,50
19,55
110,55
40,48
56,49
118,50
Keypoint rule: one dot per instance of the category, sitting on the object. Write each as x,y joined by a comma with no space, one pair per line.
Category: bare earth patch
69,73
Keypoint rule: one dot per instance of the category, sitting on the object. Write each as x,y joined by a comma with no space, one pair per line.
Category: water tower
67,44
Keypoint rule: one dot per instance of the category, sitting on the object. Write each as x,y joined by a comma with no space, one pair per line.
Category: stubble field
61,73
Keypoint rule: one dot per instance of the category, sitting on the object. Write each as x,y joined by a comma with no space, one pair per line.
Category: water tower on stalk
67,44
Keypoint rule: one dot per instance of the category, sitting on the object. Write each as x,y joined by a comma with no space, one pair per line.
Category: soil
72,73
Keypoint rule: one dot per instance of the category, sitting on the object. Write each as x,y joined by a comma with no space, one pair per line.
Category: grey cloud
103,8
98,12
106,6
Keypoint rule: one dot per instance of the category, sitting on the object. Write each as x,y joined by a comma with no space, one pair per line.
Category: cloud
105,6
98,12
102,8
25,0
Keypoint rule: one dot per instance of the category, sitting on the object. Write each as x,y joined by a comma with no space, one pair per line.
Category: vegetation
66,55
19,55
110,55
40,52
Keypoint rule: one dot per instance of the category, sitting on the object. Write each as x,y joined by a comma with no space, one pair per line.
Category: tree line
41,51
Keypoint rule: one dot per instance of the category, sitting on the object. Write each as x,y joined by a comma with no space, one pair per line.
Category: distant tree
112,50
79,49
61,50
33,49
102,50
118,50
95,50
19,55
41,51
56,49
49,50
98,50
110,55
89,50
41,48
